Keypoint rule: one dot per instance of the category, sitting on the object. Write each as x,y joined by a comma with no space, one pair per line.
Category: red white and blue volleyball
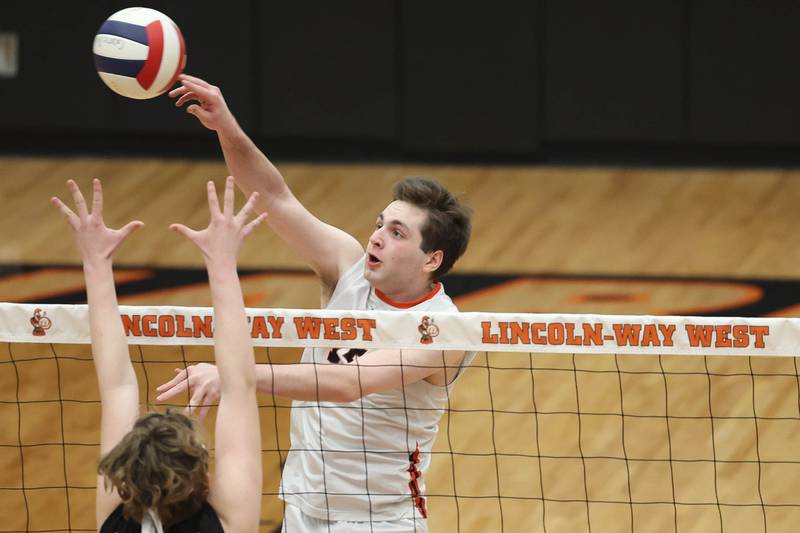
139,52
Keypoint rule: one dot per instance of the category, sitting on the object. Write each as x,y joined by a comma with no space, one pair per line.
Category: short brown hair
161,464
448,225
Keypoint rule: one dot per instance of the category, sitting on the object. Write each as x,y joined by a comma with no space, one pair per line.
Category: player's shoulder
343,290
441,301
352,274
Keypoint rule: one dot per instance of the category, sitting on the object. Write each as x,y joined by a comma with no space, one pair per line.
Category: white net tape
496,332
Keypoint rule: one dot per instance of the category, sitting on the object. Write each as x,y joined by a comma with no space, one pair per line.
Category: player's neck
408,297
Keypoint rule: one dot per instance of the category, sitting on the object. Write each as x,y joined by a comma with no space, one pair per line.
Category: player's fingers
202,412
177,91
66,211
250,226
213,201
184,230
77,197
194,80
171,392
248,208
200,113
180,375
197,400
228,198
187,97
203,91
97,197
130,227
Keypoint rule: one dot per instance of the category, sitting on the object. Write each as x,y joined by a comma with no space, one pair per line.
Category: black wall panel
327,69
59,91
57,87
743,71
469,76
407,78
613,70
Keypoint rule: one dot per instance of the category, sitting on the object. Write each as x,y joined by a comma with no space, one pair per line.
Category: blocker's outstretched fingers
228,198
77,197
186,231
213,201
250,226
71,217
97,197
248,208
130,227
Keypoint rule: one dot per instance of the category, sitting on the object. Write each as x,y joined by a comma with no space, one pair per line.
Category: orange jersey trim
407,305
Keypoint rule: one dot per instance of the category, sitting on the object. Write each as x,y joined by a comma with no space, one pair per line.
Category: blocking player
153,474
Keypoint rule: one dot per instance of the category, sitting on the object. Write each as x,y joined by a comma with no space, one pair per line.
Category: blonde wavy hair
161,464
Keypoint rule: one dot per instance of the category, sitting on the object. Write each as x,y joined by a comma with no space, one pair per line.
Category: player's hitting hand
209,107
93,238
222,240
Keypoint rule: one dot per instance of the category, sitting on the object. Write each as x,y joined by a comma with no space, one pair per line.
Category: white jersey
365,460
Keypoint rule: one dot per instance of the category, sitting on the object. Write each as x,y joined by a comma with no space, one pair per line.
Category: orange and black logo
40,322
428,330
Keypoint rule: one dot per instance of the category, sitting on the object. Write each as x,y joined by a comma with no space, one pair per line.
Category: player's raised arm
326,249
236,488
119,392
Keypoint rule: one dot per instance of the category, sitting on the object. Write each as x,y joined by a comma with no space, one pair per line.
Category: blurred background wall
672,81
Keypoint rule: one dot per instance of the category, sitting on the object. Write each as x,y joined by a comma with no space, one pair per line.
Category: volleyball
139,52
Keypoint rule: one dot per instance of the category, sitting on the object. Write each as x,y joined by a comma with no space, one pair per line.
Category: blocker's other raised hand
93,238
222,240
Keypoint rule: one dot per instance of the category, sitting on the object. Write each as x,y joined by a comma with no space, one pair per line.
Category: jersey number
348,354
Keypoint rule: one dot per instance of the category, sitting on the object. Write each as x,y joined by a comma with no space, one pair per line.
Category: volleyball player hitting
363,423
153,472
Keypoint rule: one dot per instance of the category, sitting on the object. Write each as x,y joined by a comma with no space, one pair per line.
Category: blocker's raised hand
222,240
93,238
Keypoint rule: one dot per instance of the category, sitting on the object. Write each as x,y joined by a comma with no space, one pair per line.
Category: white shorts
296,521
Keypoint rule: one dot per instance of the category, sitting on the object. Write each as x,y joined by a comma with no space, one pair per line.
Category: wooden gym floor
546,239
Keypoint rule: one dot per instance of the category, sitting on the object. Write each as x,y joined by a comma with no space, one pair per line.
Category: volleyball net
561,423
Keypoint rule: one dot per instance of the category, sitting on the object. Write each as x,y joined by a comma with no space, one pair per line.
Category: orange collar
407,305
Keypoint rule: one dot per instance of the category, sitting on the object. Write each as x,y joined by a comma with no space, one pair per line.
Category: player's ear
434,261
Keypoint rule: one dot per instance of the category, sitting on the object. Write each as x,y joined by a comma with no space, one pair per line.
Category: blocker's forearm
109,344
233,349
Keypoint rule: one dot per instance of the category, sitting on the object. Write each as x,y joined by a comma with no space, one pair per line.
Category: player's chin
372,274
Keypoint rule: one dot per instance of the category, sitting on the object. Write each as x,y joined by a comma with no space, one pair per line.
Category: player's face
396,263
